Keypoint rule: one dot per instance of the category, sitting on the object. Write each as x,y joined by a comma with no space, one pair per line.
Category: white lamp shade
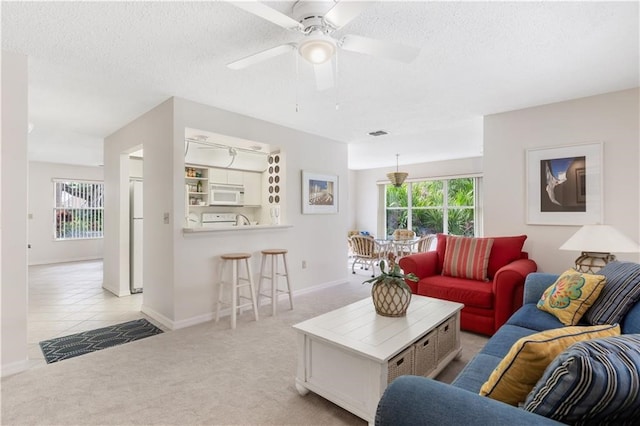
602,239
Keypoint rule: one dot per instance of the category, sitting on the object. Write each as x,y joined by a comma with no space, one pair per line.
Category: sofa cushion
527,359
466,257
500,344
475,373
631,321
569,297
529,316
503,251
596,381
620,293
461,290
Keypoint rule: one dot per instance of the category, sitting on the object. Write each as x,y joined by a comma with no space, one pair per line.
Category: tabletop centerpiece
390,293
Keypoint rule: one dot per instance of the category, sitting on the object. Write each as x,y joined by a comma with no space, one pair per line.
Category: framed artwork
564,185
319,193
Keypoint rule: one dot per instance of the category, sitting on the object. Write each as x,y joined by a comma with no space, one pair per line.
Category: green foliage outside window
78,210
397,197
461,194
427,207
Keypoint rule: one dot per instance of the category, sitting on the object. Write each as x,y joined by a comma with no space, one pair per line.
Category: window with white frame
427,207
78,209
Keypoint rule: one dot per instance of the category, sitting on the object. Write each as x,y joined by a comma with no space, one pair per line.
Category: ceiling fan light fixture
317,49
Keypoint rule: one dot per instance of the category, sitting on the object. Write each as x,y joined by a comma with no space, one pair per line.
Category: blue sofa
412,400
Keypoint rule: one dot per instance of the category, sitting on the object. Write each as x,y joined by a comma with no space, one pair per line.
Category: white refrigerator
135,238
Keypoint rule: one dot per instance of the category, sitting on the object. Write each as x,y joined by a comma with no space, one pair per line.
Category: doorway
68,298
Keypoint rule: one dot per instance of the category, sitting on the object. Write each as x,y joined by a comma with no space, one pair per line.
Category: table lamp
597,242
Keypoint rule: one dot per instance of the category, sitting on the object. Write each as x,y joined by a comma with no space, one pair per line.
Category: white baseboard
117,292
318,287
14,368
188,322
158,317
199,319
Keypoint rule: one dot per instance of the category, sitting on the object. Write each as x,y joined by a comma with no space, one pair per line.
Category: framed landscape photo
319,193
564,185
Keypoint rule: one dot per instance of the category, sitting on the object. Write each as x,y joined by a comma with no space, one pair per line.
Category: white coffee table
349,355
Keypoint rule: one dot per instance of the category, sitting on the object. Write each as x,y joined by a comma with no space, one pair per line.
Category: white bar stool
273,276
236,285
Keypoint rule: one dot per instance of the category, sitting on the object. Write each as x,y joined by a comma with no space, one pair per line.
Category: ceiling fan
317,20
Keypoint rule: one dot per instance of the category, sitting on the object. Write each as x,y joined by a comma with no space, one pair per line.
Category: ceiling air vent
378,133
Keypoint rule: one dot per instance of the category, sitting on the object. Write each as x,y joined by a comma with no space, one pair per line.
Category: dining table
397,247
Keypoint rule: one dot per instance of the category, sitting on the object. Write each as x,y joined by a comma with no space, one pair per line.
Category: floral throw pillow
571,295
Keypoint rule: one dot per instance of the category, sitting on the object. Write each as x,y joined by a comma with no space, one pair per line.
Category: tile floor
67,298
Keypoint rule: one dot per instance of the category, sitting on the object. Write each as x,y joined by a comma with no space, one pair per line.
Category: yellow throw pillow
519,371
571,295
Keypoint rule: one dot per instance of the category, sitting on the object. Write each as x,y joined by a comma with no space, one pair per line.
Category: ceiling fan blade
261,56
324,75
265,12
343,12
373,47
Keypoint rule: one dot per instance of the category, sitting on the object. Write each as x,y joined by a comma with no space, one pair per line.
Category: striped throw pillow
467,257
520,370
619,294
592,382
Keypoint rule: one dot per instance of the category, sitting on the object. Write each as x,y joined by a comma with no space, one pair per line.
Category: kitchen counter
234,228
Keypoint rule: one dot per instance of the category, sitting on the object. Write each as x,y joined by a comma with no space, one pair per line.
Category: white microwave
226,195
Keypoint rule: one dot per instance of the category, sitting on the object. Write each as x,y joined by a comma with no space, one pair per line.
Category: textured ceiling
94,66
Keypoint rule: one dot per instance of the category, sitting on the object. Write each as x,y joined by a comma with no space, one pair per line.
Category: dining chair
403,234
366,251
424,243
349,235
403,242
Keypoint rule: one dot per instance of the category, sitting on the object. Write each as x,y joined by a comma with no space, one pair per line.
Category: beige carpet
201,375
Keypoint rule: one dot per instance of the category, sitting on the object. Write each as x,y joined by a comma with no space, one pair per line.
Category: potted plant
390,293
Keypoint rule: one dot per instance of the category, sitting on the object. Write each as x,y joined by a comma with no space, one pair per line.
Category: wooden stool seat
236,283
275,251
235,256
273,276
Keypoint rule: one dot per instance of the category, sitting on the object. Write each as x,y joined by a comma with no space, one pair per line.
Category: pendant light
397,178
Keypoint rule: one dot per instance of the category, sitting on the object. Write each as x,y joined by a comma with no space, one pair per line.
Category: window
78,209
431,206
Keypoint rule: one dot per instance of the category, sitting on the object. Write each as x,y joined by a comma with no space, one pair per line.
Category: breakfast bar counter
233,228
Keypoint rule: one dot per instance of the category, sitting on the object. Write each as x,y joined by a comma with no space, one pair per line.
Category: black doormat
66,347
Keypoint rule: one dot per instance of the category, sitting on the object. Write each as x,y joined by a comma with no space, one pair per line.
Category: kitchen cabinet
226,176
252,188
252,182
196,195
197,185
235,177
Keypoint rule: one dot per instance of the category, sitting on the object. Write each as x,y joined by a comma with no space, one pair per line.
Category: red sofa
487,304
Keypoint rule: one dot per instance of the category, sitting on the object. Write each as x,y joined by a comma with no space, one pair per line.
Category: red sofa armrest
508,288
423,265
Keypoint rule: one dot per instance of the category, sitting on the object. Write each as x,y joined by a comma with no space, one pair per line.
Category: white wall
44,249
13,224
318,239
181,270
365,195
152,132
352,202
611,118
